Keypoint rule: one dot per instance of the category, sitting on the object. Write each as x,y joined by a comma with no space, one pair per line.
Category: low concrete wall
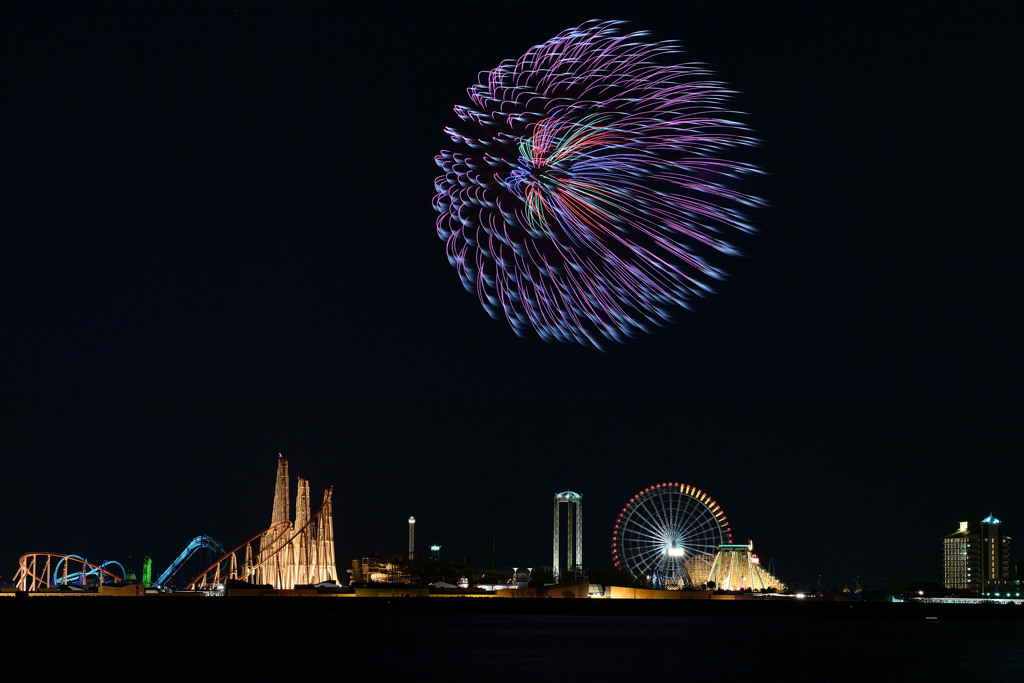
272,592
577,589
623,593
133,590
394,592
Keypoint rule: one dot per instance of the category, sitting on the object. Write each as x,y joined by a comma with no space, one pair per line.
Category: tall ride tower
573,532
296,553
281,511
274,550
412,536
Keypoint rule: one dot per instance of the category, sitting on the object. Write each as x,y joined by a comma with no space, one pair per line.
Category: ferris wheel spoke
694,516
645,560
673,508
672,526
646,549
654,513
667,513
702,524
664,530
698,532
644,531
687,518
690,520
647,552
651,529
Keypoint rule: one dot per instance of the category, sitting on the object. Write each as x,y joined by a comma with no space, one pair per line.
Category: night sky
218,245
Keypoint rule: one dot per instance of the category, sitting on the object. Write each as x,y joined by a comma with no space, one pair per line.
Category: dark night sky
219,245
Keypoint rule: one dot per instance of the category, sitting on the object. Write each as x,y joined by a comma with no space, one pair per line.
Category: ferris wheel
668,534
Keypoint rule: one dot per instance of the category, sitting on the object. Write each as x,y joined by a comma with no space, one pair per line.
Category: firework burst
595,198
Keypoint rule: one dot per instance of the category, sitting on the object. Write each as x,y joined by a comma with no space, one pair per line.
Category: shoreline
464,606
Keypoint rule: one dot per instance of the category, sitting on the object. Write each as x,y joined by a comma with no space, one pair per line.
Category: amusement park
286,554
675,537
671,540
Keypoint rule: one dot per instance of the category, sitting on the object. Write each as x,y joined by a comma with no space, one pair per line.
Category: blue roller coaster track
198,544
81,578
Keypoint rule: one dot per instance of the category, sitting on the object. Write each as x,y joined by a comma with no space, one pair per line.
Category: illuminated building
376,570
975,555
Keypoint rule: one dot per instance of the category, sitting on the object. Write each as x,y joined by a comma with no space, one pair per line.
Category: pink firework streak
594,201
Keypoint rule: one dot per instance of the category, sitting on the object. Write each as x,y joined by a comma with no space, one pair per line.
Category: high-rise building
976,554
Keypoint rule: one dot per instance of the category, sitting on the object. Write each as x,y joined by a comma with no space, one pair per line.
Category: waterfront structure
975,555
573,532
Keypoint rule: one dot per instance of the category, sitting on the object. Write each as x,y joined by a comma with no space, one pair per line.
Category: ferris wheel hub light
676,552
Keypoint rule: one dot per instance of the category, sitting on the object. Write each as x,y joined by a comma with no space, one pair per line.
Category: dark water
606,648
307,640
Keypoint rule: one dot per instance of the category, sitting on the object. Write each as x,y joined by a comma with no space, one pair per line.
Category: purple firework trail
593,198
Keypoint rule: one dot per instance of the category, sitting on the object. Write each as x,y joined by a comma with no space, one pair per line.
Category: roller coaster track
198,543
272,546
34,571
286,557
233,572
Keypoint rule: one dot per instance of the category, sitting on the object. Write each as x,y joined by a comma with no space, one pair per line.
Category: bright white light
676,552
